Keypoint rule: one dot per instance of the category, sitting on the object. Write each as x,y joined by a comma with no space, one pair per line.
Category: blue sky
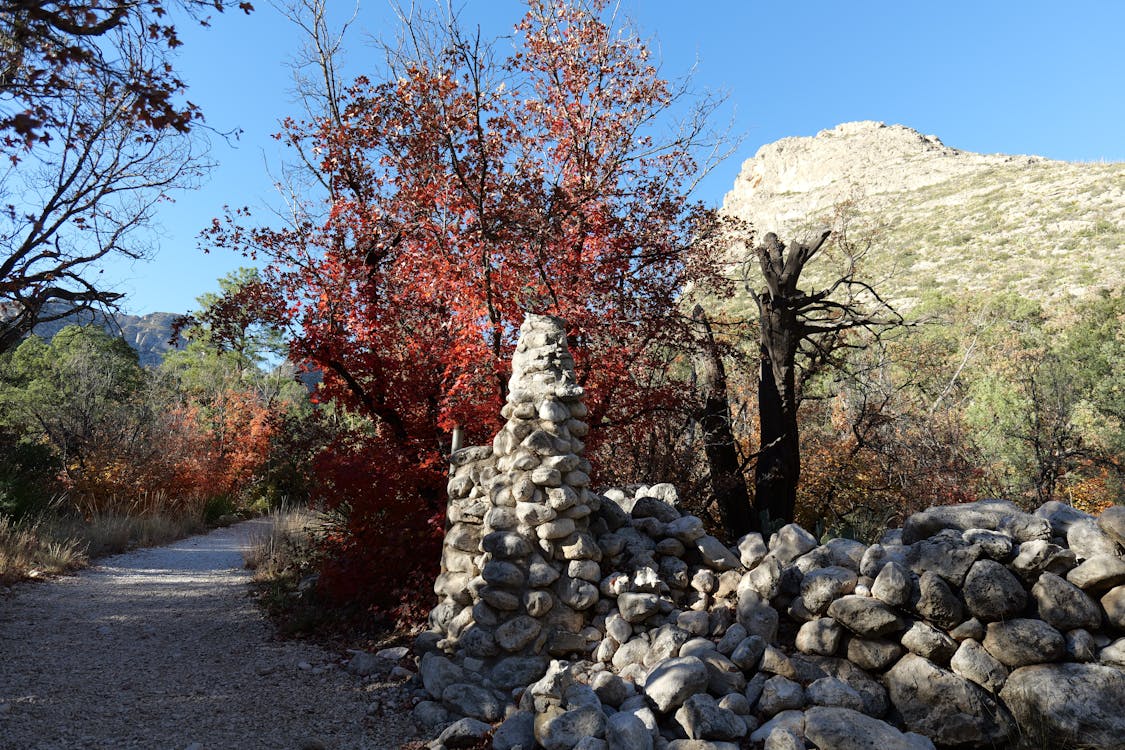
1011,76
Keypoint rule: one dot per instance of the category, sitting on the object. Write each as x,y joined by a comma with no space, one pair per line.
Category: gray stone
517,633
625,731
541,575
751,549
821,636
703,719
780,694
438,673
937,602
875,655
686,529
668,641
1113,602
1023,641
464,733
1064,606
847,553
1087,539
637,607
1113,654
1060,516
832,691
735,702
1099,573
1073,705
505,544
473,701
994,515
556,729
847,729
821,587
670,683
878,555
591,743
992,593
748,653
694,622
948,709
430,714
993,544
929,642
733,636
650,507
872,691
1080,645
866,617
715,555
1038,555
971,628
631,652
790,542
576,593
973,662
610,688
723,676
1112,522
786,721
781,738
757,616
946,555
893,585
700,745
517,671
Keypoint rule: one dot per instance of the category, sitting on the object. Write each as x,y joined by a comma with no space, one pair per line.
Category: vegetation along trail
164,648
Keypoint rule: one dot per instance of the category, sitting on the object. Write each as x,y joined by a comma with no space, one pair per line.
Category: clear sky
1012,76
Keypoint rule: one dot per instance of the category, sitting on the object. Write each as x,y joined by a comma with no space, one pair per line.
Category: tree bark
778,469
728,486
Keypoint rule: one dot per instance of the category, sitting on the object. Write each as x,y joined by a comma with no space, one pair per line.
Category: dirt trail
164,648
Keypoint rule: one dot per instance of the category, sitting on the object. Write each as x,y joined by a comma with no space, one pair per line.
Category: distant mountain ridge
149,335
942,218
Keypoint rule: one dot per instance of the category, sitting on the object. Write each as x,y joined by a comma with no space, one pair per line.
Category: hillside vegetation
942,219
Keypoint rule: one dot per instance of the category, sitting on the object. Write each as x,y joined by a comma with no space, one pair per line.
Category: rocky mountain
148,334
939,218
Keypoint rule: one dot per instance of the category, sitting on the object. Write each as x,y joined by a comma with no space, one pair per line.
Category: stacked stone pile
581,620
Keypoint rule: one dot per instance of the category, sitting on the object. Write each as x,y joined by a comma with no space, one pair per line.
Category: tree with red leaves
461,190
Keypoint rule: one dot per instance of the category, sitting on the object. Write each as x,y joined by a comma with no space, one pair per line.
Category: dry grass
53,545
287,549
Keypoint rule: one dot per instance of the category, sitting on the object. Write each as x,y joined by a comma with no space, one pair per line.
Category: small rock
1099,573
1022,641
670,682
992,593
973,662
821,636
832,691
703,719
780,694
1064,606
937,602
463,733
893,585
929,642
874,655
864,616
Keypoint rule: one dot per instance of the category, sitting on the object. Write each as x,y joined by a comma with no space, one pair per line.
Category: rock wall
572,619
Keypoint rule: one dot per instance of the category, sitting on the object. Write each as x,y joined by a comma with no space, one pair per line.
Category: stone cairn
573,619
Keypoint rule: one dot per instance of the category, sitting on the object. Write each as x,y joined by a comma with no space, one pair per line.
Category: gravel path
164,648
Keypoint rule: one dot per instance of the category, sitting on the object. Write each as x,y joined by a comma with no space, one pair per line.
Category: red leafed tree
462,190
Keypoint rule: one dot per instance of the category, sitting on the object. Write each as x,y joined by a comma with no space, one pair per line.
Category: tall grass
287,550
52,544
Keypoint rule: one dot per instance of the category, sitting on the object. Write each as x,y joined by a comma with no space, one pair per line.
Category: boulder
1112,522
438,673
1099,573
671,681
1024,641
780,694
937,602
1114,605
1060,516
1073,705
929,642
637,607
751,549
994,515
702,718
948,709
715,555
1086,538
1064,606
832,691
556,729
1038,555
864,616
875,655
821,587
973,662
473,701
946,554
464,733
872,691
790,542
847,729
992,593
893,585
625,731
756,615
820,636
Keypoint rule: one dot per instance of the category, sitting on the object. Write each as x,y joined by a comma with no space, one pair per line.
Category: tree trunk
728,486
778,469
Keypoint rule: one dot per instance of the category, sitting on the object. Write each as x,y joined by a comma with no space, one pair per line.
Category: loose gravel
165,648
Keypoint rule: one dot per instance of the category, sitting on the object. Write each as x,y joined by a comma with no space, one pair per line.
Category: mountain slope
940,218
149,335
